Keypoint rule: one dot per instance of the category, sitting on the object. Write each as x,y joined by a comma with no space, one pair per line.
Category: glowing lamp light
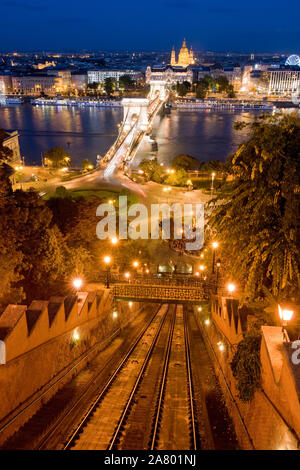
114,240
202,267
130,304
207,322
285,314
115,314
215,245
231,287
221,346
77,283
76,336
197,273
135,264
127,275
107,259
199,309
147,271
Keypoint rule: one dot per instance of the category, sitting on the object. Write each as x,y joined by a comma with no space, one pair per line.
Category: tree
125,82
201,91
181,89
110,84
178,178
87,165
222,84
57,157
152,170
185,162
258,221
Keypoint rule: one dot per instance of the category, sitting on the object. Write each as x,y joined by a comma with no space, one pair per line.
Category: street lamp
214,247
231,287
285,315
212,182
114,240
77,283
135,264
127,276
107,261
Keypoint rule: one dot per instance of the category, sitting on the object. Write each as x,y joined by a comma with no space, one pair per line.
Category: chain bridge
138,117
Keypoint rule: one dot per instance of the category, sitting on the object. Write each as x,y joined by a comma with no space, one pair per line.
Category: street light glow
77,283
114,240
107,259
127,275
135,264
215,245
285,314
231,287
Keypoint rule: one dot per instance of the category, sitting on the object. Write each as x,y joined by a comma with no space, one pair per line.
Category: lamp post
214,247
285,315
107,261
218,264
212,183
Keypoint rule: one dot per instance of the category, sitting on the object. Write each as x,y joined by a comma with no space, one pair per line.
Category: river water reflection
88,132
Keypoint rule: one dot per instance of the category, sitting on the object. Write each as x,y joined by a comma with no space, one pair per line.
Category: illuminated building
185,56
169,74
284,82
11,141
99,76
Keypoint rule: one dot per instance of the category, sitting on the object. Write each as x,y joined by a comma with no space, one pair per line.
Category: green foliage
179,178
182,89
86,164
246,366
258,222
185,162
219,84
57,157
125,82
110,84
152,170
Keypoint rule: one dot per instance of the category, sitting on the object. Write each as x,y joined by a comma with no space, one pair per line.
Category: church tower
185,56
173,57
192,61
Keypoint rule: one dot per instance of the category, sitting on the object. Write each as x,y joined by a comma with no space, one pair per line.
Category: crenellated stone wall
271,420
44,345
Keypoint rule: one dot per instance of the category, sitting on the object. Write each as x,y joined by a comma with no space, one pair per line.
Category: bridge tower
135,110
158,88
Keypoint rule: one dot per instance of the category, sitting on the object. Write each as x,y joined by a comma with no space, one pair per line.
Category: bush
246,366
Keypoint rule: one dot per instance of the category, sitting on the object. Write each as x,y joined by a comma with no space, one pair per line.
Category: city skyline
254,28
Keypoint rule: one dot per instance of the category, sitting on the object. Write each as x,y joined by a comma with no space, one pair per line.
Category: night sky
219,25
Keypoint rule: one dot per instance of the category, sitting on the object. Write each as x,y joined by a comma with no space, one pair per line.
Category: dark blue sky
234,25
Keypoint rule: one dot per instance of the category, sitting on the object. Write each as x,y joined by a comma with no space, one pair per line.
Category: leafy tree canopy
186,162
57,157
258,221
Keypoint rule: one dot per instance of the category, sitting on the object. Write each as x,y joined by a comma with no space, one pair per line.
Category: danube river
88,132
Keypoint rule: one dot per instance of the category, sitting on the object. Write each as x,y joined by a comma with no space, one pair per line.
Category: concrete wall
41,343
272,419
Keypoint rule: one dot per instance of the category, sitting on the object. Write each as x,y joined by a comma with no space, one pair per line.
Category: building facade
171,75
99,76
12,142
284,82
34,84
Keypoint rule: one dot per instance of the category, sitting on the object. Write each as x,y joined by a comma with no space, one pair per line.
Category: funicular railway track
146,401
145,405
